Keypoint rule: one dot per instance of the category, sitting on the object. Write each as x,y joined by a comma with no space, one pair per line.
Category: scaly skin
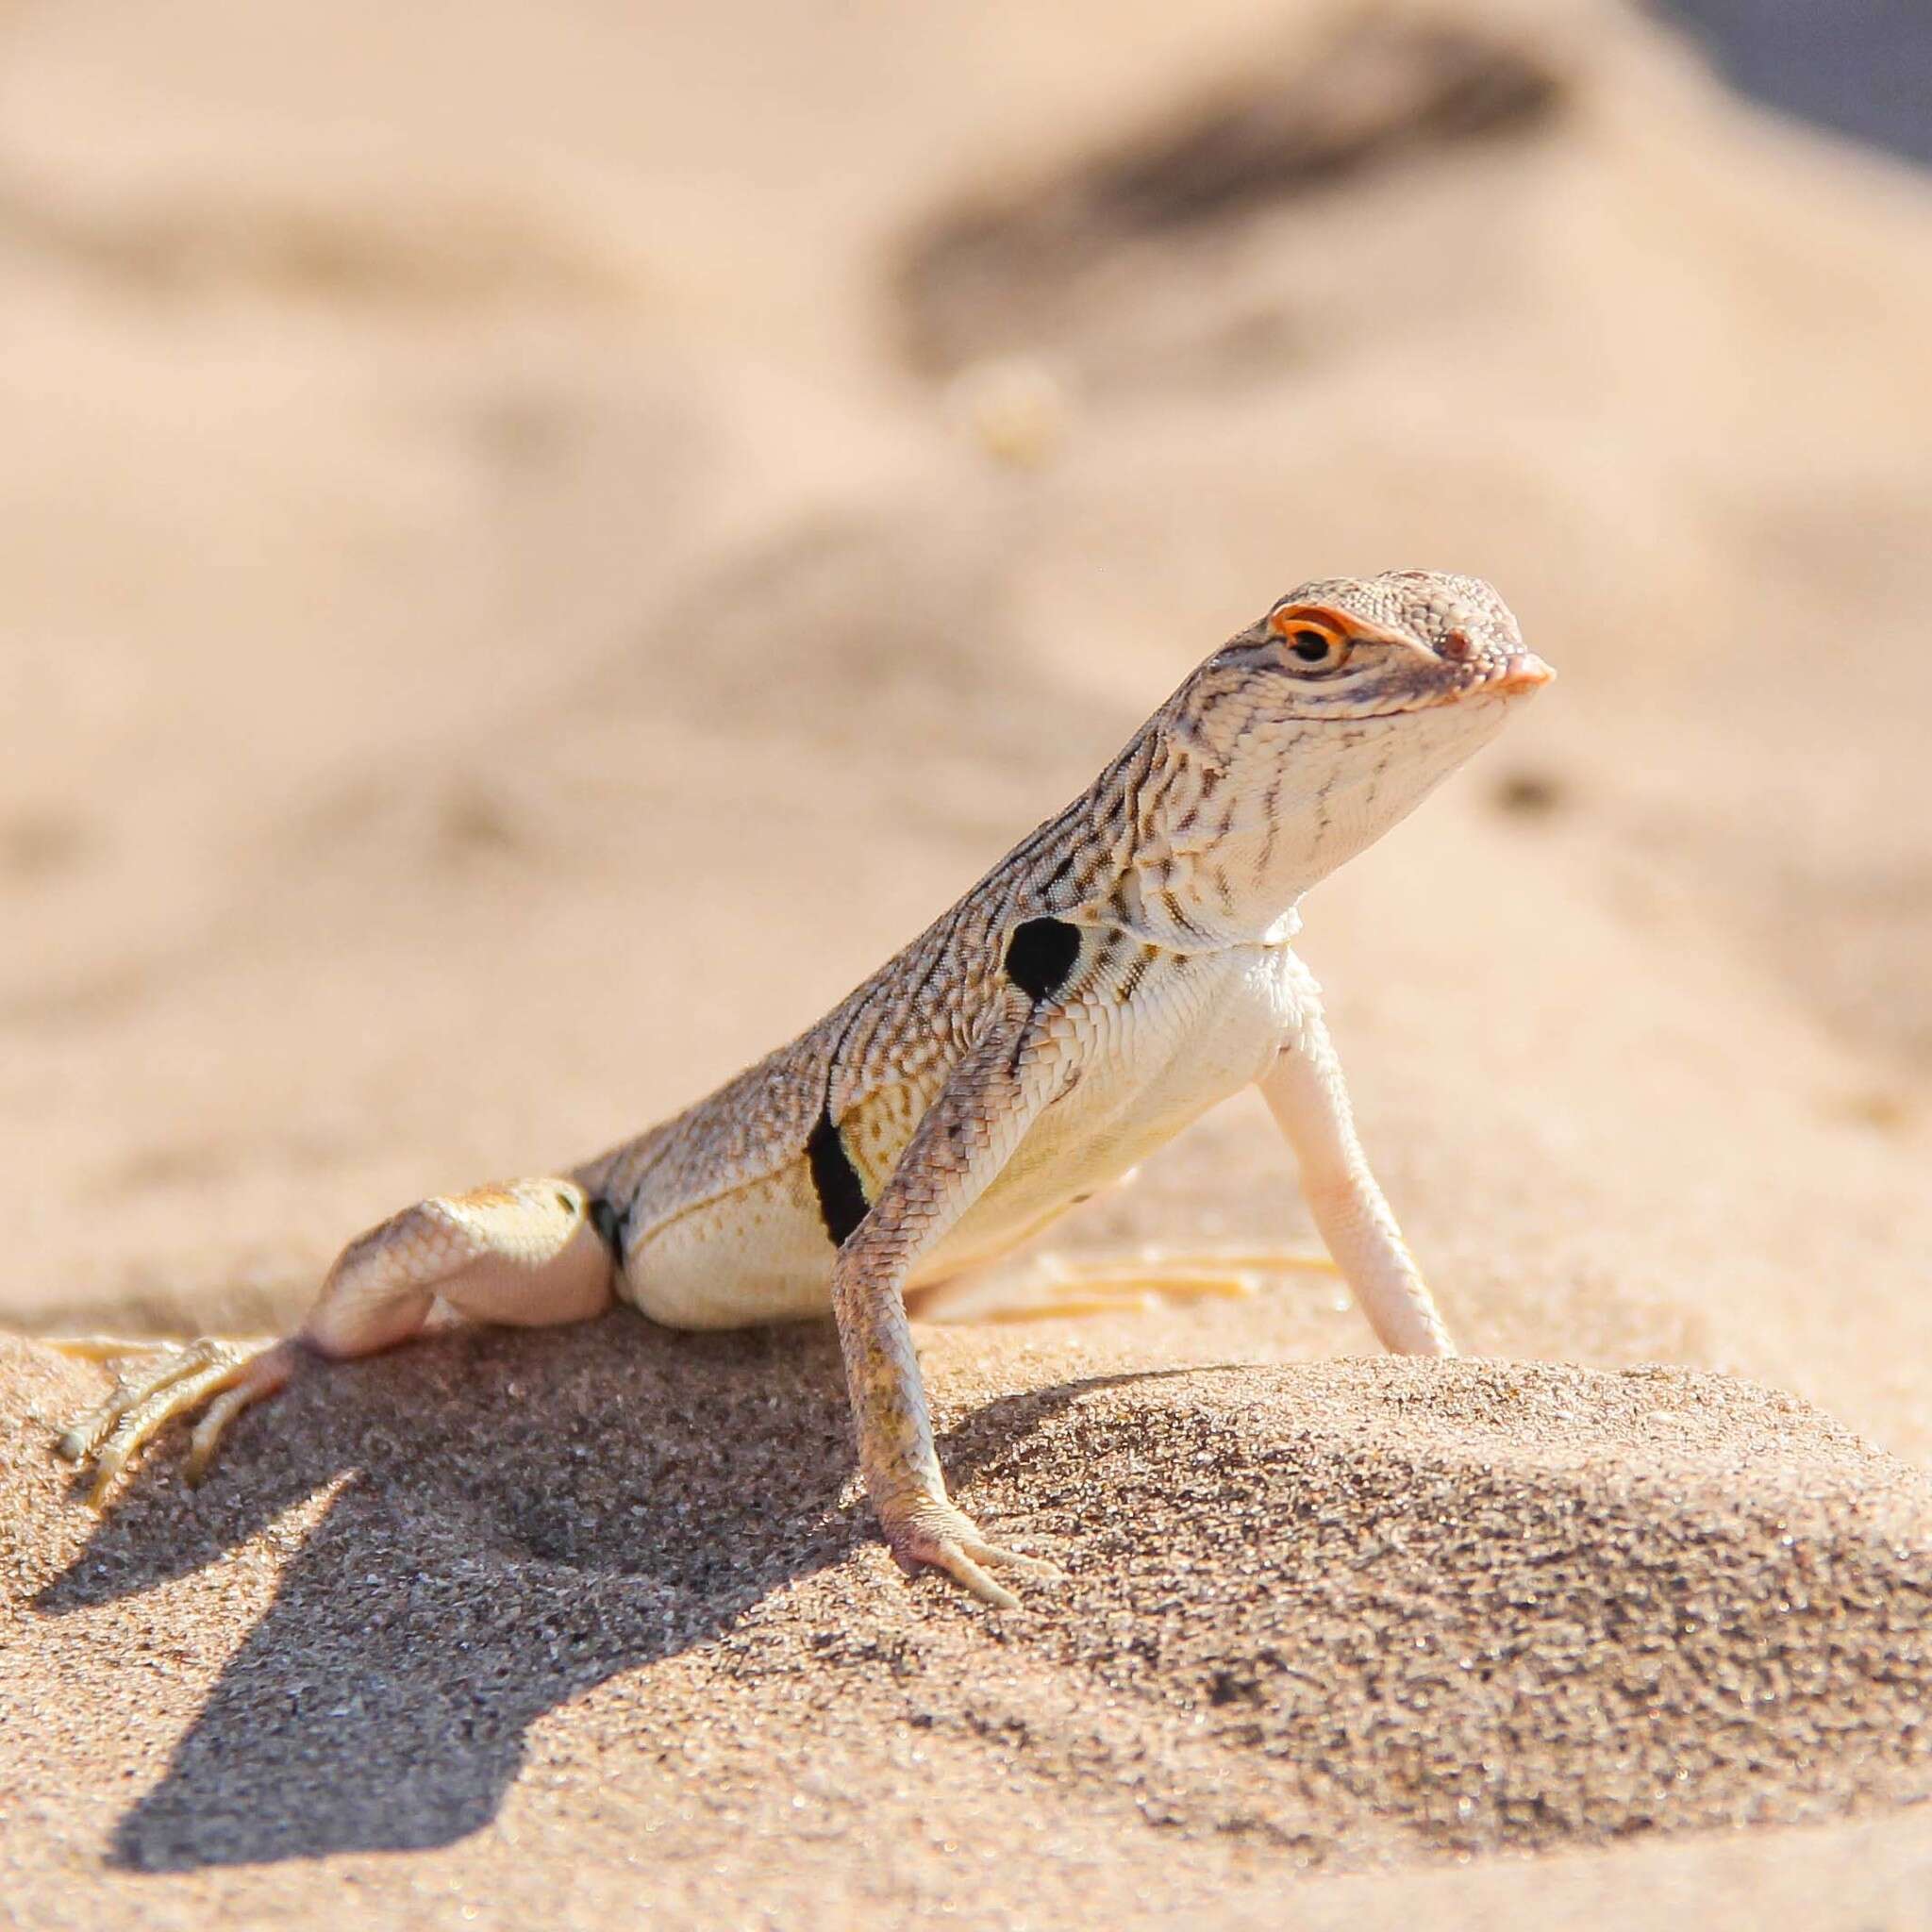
1124,967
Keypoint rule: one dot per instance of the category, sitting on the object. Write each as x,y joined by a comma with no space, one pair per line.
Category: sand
538,551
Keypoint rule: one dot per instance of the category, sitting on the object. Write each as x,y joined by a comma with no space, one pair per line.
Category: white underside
1156,1063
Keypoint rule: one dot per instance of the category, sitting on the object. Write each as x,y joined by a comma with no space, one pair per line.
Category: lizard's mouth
1514,676
1521,672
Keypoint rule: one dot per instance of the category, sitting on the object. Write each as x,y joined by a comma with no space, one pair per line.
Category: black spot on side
609,1223
1041,954
834,1180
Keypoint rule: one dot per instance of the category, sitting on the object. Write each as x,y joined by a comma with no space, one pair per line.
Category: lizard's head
1334,715
1381,647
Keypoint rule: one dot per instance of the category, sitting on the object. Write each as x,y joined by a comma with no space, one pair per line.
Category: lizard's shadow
522,1517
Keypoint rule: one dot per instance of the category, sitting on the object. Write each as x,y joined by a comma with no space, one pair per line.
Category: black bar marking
609,1223
842,1194
1041,956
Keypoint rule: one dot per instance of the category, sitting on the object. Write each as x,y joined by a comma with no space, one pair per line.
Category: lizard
1127,966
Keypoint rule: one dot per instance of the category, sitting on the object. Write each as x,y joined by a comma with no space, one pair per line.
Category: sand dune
1323,1614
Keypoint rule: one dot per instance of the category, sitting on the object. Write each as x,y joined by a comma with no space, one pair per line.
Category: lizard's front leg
1308,1098
1019,1063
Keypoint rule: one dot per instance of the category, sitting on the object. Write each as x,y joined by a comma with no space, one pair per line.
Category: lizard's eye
1312,642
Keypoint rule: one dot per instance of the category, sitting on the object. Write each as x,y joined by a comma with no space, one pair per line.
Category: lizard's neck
1236,842
1161,902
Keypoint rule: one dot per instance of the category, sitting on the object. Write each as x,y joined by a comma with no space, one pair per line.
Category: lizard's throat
1301,816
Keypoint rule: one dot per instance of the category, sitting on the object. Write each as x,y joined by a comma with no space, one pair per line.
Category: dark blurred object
1011,271
1529,795
1862,67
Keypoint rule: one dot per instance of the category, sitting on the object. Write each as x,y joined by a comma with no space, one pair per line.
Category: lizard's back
731,1212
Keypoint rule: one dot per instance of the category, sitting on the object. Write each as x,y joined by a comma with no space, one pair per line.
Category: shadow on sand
524,1516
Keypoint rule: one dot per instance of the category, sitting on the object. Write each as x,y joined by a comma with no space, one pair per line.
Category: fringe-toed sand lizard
1127,966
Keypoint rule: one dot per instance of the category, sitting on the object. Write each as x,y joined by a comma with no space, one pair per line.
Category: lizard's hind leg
525,1253
1054,1286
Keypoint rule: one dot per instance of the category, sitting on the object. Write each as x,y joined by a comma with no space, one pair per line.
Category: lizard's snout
1522,671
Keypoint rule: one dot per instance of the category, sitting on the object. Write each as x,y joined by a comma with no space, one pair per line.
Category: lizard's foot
934,1534
1126,1284
160,1381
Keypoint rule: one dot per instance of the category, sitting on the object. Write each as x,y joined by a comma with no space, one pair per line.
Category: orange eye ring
1314,640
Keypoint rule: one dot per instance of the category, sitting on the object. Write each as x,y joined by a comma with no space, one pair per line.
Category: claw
940,1536
213,1425
158,1382
962,1569
1059,1285
100,1348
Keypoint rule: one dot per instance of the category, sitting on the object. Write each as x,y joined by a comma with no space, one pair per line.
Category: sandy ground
509,604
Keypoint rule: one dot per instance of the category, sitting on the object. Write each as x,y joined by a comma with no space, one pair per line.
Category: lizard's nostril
1456,648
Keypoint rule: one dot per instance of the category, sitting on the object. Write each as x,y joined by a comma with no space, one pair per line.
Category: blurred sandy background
539,542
